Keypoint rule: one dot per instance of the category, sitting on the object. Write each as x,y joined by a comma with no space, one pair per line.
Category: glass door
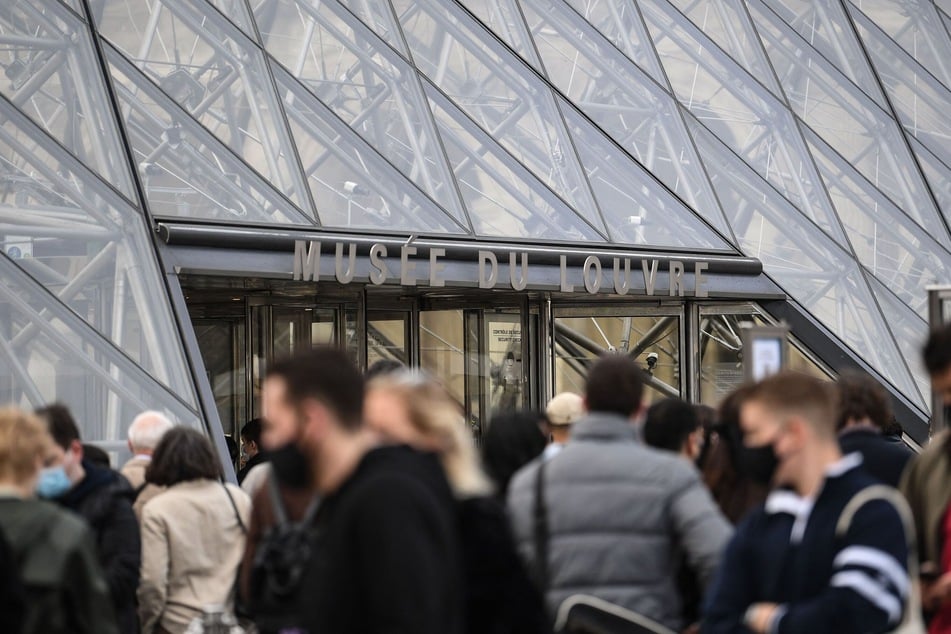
480,354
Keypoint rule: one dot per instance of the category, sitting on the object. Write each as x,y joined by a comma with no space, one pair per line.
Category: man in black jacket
104,499
864,415
386,556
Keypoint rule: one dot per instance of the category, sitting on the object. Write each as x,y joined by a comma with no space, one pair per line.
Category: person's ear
77,448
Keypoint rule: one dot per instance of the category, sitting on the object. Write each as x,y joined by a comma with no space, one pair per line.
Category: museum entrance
492,351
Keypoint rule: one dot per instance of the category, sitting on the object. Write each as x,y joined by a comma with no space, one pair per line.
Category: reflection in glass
442,353
721,352
653,341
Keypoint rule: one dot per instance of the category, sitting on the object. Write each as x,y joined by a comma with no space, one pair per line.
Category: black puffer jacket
104,499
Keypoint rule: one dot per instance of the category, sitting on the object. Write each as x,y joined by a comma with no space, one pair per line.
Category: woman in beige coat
192,535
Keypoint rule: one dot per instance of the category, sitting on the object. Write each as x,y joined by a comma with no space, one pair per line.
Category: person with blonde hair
410,408
56,562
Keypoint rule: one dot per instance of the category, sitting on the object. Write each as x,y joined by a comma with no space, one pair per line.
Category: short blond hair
438,417
23,441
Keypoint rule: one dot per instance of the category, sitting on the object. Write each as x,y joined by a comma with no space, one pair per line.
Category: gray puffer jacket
621,518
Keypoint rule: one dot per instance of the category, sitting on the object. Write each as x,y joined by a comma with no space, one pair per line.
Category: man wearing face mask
821,555
281,487
104,499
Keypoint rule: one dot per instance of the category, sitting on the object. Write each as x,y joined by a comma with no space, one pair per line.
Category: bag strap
277,502
237,513
541,530
911,619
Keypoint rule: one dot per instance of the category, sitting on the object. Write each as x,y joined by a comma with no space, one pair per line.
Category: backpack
12,593
280,561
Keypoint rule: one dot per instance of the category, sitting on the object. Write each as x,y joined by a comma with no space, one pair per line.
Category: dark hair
815,400
669,424
327,375
615,384
937,350
60,422
722,467
183,454
382,367
251,432
97,456
861,396
512,441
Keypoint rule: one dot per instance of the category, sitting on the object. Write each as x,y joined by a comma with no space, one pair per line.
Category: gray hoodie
622,517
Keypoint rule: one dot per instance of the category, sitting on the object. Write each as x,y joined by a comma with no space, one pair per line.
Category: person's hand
692,629
759,616
936,593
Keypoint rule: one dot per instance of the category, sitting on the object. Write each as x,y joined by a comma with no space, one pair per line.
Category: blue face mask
53,483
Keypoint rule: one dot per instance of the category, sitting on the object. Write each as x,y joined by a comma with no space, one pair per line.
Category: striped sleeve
869,585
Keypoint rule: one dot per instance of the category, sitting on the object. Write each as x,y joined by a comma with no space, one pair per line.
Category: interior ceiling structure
811,134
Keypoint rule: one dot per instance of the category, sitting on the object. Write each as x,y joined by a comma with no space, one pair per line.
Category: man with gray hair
143,437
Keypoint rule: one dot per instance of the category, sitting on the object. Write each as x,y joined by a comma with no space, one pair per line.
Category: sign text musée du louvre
394,265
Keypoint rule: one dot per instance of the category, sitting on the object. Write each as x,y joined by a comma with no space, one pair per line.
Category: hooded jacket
104,499
620,517
66,592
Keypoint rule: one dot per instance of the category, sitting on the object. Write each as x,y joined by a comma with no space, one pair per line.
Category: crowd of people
365,506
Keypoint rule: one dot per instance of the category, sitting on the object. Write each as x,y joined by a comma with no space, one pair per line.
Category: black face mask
758,463
291,466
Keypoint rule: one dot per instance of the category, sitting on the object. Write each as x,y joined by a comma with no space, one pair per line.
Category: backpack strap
911,622
541,530
234,506
277,502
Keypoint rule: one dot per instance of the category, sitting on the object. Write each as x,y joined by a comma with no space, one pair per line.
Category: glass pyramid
809,134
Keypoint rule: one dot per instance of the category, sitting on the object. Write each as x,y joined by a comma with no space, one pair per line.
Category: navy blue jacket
787,553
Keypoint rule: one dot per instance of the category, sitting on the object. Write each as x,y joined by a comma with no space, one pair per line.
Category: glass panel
503,199
742,113
813,270
210,69
886,241
365,83
379,17
828,29
845,117
620,22
442,354
721,353
223,350
920,100
580,340
727,23
388,337
910,331
237,12
938,175
352,184
504,18
51,74
917,27
496,90
506,382
185,171
636,112
88,247
640,210
47,354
